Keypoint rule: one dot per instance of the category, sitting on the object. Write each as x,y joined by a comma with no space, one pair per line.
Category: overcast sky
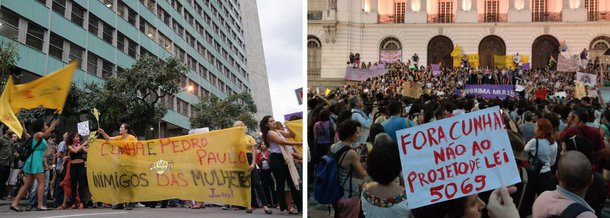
282,31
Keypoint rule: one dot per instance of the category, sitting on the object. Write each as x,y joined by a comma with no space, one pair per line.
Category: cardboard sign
456,157
210,167
586,78
83,128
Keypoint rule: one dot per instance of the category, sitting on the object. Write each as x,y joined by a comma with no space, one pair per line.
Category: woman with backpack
348,161
275,139
34,165
324,134
544,147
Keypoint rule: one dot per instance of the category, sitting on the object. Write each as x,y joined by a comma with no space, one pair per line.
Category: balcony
313,72
546,17
386,18
493,18
598,16
441,18
314,15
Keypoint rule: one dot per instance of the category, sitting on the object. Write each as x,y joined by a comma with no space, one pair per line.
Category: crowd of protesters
55,175
571,136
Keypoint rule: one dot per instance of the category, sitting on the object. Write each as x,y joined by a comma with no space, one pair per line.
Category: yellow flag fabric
6,113
504,61
579,90
296,126
326,92
457,61
49,91
210,167
457,51
473,60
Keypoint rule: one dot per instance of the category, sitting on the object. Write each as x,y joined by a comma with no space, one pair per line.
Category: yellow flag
579,90
296,126
49,91
6,113
457,51
473,59
326,92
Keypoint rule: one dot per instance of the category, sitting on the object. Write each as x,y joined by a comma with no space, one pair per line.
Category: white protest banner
456,157
586,78
83,128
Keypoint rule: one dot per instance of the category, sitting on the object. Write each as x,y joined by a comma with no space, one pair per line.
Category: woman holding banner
78,172
124,135
276,139
34,165
256,186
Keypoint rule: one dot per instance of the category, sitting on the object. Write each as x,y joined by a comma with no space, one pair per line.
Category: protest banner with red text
209,167
456,157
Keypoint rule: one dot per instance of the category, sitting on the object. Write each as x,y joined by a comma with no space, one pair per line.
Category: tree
216,113
133,96
9,55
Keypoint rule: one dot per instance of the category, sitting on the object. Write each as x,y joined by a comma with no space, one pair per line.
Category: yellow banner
210,167
504,61
457,61
49,91
7,116
579,90
296,126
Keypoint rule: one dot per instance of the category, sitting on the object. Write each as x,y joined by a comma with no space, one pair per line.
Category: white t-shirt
547,152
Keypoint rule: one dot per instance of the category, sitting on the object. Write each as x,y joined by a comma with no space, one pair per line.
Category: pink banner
436,69
390,56
568,64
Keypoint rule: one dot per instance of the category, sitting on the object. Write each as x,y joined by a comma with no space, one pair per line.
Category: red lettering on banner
498,121
172,180
164,143
433,141
415,145
405,142
451,132
450,190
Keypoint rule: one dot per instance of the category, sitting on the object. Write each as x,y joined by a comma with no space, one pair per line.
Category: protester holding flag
275,139
124,135
33,167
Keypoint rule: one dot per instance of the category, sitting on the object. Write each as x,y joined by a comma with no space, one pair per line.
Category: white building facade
431,28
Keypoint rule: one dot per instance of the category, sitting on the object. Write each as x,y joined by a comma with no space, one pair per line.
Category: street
139,212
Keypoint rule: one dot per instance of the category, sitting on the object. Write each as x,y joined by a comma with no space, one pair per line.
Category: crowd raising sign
456,157
210,167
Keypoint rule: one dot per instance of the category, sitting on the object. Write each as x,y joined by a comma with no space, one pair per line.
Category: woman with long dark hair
34,165
78,172
124,135
275,139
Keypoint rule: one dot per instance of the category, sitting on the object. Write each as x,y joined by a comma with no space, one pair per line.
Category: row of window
149,30
124,44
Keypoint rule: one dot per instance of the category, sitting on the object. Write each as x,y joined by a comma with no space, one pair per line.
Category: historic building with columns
431,28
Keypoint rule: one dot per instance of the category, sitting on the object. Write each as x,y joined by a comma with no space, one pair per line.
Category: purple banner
358,74
525,66
436,69
489,91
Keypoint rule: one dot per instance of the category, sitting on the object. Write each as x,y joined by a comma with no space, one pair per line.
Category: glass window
35,36
108,33
121,9
131,17
132,48
10,24
142,25
78,14
56,46
120,41
151,31
76,53
108,4
93,24
92,63
151,5
107,69
59,6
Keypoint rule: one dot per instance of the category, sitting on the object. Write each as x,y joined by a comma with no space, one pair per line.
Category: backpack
327,187
28,149
573,210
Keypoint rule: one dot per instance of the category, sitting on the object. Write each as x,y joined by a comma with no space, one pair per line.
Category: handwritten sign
83,128
210,167
456,157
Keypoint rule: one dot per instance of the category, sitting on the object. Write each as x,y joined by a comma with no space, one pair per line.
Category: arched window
390,50
314,56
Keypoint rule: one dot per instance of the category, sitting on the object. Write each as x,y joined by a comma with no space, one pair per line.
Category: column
420,16
516,15
468,15
578,14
